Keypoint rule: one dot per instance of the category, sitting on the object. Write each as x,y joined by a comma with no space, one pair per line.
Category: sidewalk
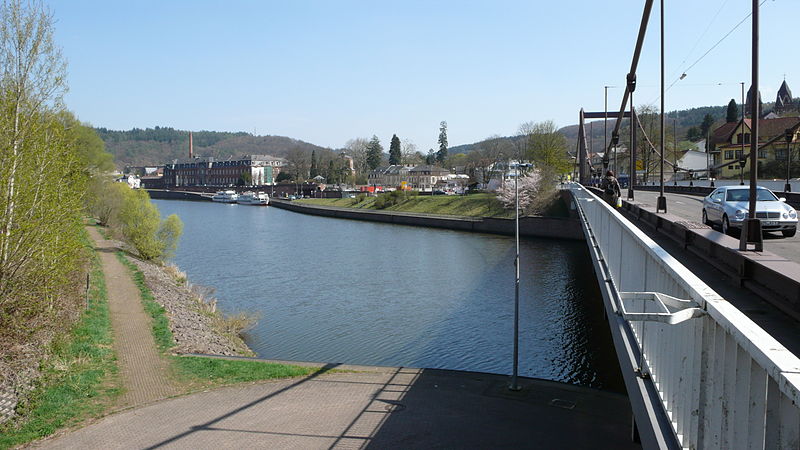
371,407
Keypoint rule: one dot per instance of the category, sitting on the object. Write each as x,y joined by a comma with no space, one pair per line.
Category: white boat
253,198
225,197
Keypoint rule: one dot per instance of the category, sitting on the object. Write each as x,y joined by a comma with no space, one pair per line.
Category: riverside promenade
371,407
339,406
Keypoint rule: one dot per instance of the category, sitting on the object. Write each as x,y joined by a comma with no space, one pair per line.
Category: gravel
195,325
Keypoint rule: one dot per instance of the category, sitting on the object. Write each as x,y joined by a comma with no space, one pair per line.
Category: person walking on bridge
610,187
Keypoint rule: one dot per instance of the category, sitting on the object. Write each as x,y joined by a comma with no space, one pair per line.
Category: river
333,290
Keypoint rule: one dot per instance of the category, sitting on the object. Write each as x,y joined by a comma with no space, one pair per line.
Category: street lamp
789,136
513,385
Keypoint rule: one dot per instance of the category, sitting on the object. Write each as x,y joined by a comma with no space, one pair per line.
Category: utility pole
741,157
751,230
631,79
661,204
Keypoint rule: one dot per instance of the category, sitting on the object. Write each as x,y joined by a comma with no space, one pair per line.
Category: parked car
728,207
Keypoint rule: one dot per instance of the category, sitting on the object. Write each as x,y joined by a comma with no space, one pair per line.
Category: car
728,207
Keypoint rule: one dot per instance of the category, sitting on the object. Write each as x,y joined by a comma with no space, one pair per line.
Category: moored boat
253,198
225,197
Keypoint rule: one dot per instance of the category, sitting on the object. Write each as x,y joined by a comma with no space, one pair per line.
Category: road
690,207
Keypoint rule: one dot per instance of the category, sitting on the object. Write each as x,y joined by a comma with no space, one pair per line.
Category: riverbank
530,226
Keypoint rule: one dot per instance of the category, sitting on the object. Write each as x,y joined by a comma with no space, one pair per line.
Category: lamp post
789,136
514,385
661,203
751,228
631,84
675,150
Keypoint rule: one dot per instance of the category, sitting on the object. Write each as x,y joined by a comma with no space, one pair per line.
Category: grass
79,379
473,205
160,325
193,373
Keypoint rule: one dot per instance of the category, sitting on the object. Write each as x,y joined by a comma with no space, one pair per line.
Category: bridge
699,372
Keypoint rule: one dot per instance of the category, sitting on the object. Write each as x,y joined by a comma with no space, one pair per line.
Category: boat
225,197
253,198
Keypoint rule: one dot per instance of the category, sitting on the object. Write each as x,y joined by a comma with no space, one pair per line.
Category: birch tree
41,178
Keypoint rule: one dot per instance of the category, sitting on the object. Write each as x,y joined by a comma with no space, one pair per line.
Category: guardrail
699,373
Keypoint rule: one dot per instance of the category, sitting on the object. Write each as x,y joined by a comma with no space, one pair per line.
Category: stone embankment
195,323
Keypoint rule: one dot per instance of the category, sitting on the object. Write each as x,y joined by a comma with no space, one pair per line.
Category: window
747,138
728,154
762,153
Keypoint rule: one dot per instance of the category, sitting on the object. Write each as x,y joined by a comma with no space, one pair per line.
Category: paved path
690,207
371,407
144,372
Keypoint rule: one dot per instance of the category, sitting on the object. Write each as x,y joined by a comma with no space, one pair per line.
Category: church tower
784,101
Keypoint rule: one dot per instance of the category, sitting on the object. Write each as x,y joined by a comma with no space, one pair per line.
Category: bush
141,226
393,198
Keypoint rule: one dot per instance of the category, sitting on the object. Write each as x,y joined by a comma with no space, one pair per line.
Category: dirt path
143,371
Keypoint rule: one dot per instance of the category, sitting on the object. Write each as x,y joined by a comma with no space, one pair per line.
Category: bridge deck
783,328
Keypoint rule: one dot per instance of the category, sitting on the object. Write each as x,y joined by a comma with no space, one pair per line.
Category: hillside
685,119
155,146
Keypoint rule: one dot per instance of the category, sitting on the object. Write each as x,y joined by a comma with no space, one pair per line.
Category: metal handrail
721,380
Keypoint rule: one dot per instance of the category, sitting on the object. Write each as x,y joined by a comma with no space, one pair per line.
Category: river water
333,290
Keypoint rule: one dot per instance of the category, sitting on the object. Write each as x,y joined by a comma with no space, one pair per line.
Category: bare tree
409,153
357,149
545,146
299,163
490,151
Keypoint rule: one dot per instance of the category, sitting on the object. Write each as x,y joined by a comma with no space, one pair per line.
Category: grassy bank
79,378
473,205
192,373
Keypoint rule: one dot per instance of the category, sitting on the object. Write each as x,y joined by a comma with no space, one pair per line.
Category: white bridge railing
699,373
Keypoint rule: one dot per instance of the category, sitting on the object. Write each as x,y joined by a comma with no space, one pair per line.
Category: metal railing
694,365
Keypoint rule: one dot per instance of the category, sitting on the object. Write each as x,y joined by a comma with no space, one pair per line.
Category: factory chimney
190,145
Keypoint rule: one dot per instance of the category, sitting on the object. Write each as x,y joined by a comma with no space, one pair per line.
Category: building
727,140
426,177
390,176
784,102
248,170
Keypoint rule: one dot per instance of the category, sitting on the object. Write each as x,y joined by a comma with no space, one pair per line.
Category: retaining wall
548,227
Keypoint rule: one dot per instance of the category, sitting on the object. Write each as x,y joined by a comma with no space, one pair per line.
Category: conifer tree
394,150
733,112
374,153
441,155
313,171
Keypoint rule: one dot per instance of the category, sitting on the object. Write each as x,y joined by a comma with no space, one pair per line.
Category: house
426,177
732,140
389,176
694,160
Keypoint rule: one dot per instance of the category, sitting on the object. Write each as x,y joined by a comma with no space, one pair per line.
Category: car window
738,195
764,195
717,195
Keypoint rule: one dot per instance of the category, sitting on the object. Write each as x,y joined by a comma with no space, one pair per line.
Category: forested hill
156,146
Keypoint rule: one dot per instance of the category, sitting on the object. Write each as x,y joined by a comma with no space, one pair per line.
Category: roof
426,168
767,128
784,92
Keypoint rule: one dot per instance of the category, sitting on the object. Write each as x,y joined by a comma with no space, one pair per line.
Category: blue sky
326,72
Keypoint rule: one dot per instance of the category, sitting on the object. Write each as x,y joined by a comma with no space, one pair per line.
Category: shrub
142,228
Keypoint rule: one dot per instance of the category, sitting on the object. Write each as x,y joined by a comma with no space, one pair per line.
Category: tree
313,170
357,149
245,179
409,153
441,155
693,134
141,225
490,151
732,114
705,126
374,153
298,163
430,159
545,146
395,155
42,180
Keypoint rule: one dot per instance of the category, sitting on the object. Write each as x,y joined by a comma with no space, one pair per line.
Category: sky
328,71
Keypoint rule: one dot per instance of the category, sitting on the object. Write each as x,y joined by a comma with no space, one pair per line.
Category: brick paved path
144,372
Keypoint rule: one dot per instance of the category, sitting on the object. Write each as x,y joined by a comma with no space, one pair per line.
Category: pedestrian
610,187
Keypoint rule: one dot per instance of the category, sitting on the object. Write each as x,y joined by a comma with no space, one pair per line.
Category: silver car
728,206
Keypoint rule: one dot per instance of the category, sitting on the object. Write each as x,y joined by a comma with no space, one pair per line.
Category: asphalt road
690,207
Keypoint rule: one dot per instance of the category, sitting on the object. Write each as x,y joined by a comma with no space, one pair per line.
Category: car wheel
705,219
726,227
789,233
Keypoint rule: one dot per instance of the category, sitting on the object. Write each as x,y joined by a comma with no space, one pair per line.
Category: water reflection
366,293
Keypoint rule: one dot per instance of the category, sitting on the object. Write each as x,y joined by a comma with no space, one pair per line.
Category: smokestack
190,145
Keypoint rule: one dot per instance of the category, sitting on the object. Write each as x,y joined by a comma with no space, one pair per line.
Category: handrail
721,381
